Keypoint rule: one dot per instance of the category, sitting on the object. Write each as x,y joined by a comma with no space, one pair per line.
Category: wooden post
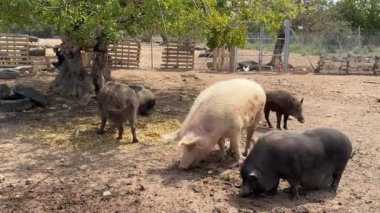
151,51
233,58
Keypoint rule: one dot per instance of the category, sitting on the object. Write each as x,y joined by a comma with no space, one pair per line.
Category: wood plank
14,61
175,57
175,60
180,49
177,53
12,44
123,48
126,62
13,35
179,64
13,40
15,56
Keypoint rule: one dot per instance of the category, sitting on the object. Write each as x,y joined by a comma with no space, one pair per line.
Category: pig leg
267,112
250,132
132,122
235,146
294,189
102,126
273,191
337,175
222,150
279,114
285,121
121,130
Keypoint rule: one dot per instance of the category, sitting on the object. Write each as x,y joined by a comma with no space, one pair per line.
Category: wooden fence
330,64
178,55
125,54
14,50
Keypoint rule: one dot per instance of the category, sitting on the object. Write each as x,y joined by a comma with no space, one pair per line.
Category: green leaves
363,13
218,21
225,19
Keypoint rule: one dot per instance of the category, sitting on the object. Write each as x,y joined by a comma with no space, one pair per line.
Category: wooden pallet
178,55
125,54
14,50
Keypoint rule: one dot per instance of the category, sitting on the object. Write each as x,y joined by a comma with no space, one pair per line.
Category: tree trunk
100,71
72,79
276,60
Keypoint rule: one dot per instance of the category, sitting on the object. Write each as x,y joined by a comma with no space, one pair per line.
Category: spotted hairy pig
146,99
118,103
283,103
313,159
221,111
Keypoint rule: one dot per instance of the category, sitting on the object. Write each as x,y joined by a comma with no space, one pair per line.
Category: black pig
283,103
314,159
117,103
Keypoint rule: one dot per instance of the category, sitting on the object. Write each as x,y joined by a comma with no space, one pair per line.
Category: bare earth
52,160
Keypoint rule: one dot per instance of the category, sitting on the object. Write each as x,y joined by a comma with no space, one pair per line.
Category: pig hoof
135,141
100,132
333,190
119,138
222,157
245,153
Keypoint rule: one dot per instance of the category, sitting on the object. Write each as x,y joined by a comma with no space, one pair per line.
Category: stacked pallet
178,55
14,50
330,64
125,54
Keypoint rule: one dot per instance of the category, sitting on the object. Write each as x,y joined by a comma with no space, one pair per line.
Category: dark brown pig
118,103
283,103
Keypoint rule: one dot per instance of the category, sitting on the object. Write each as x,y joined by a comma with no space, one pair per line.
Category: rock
378,100
166,109
199,48
28,182
279,210
2,178
357,196
17,105
184,98
205,55
9,73
4,91
247,211
37,51
220,209
196,188
107,194
368,201
30,93
33,39
301,209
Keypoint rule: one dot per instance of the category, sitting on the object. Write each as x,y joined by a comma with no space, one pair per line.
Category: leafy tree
360,13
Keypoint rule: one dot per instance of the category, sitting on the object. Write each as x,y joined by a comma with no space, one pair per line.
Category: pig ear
301,100
190,144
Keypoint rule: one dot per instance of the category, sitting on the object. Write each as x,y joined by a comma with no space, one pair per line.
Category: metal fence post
285,63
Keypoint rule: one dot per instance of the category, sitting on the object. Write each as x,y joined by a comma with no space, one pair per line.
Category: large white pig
220,111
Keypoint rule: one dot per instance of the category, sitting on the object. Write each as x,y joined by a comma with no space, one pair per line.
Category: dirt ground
53,161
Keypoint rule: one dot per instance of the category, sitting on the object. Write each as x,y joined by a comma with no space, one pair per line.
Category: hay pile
80,133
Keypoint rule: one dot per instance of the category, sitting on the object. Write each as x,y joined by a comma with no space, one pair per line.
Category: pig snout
245,191
301,119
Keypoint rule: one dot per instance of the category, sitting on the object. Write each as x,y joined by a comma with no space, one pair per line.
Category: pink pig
220,111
